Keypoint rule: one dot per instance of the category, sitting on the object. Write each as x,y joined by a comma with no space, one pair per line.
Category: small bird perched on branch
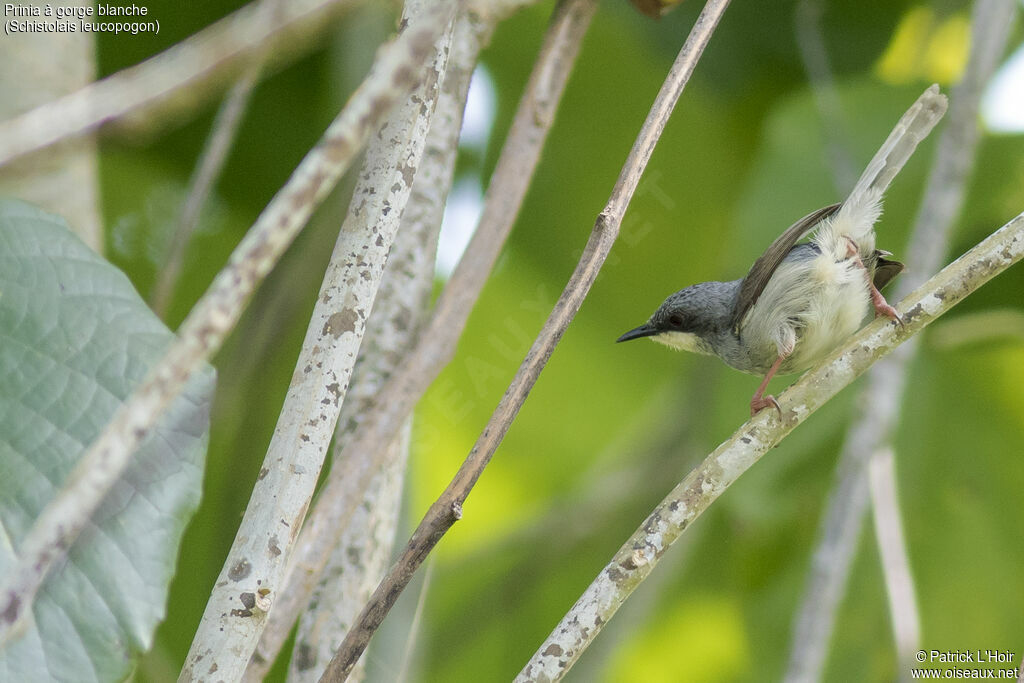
800,301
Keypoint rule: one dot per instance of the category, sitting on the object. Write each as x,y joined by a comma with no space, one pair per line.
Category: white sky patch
481,103
461,214
1002,107
466,200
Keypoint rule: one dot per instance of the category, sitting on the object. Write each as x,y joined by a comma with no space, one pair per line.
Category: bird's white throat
683,341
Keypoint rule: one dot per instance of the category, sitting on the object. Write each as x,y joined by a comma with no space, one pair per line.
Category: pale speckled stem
397,316
637,557
230,629
212,318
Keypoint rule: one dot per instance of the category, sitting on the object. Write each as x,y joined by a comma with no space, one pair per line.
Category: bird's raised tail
863,206
909,131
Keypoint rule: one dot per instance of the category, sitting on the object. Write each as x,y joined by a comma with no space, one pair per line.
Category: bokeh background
609,429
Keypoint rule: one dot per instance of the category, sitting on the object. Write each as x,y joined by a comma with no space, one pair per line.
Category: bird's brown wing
764,267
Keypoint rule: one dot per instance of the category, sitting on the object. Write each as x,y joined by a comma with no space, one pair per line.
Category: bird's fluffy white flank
831,288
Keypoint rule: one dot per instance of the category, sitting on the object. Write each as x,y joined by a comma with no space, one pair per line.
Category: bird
800,300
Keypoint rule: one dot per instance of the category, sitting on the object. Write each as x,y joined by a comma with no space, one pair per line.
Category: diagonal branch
176,77
637,557
448,508
396,69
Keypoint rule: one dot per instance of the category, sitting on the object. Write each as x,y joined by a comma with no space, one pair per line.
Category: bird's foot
759,403
882,307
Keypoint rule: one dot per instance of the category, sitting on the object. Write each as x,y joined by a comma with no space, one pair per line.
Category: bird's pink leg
760,401
882,306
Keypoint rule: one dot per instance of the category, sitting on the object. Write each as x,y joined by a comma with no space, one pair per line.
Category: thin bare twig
230,629
447,509
212,318
880,405
436,344
215,153
701,487
177,77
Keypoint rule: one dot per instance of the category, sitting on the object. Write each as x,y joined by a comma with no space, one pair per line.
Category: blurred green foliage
609,429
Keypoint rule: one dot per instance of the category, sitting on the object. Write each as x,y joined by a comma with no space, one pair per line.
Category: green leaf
75,339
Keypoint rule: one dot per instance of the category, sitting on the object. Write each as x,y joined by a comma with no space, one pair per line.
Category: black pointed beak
645,330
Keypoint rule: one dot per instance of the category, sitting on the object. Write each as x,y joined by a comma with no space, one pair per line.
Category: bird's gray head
693,319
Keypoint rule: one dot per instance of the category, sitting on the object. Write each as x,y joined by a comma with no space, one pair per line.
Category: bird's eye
675,320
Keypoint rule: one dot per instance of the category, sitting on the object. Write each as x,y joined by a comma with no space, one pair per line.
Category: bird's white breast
838,301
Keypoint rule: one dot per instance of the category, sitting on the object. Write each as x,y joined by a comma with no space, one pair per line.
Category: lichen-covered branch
230,628
395,71
392,328
636,558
